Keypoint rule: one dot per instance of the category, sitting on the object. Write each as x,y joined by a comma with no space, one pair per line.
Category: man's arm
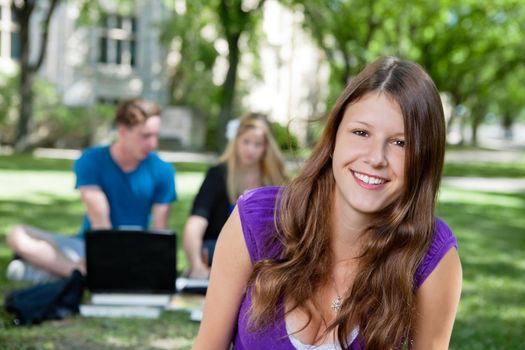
161,213
97,206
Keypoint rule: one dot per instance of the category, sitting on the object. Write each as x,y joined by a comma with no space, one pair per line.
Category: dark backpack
50,301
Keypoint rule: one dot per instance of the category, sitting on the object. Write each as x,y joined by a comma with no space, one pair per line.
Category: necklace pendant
336,304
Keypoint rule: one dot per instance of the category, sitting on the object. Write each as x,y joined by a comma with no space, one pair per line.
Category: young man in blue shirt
124,184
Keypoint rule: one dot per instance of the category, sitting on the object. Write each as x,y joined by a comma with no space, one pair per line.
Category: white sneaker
19,270
15,270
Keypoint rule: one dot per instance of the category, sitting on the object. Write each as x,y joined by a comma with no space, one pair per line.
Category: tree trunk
25,86
506,123
28,70
22,142
474,138
228,91
476,119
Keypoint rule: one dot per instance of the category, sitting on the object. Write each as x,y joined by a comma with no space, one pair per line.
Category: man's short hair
134,112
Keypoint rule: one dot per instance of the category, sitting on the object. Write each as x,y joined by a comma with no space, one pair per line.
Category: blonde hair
273,172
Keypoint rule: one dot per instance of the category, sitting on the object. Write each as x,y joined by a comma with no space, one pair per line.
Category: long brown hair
273,172
381,301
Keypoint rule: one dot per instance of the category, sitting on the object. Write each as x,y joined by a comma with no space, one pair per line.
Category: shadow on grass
485,332
491,244
173,330
29,162
489,170
54,214
191,167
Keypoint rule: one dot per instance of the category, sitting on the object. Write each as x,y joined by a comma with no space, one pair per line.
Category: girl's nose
377,155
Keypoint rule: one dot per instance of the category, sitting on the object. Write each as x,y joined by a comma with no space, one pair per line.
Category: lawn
41,193
490,228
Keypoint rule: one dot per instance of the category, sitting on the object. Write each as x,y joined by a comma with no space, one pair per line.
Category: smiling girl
350,255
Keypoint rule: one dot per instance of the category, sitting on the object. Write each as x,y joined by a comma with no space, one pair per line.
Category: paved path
503,185
485,156
494,153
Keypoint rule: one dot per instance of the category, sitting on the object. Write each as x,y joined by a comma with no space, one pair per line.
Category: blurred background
65,64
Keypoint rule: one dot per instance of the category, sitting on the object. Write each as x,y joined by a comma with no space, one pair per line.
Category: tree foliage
204,36
472,49
190,36
467,46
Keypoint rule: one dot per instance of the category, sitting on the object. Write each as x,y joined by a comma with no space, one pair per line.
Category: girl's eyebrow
397,134
360,122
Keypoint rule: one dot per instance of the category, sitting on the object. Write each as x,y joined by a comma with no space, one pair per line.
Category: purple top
256,210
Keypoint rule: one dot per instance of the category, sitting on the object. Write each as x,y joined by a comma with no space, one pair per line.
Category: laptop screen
128,261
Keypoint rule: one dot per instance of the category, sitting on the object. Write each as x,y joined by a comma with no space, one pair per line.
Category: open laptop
134,268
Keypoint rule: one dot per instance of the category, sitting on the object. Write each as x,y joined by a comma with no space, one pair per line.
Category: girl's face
251,146
369,155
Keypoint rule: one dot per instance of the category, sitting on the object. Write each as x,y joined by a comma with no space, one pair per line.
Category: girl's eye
360,133
400,143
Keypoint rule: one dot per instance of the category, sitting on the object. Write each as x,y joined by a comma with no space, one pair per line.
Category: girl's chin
248,162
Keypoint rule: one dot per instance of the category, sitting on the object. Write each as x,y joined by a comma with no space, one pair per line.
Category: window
9,32
107,101
117,43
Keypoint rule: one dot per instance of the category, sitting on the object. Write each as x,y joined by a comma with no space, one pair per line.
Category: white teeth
369,180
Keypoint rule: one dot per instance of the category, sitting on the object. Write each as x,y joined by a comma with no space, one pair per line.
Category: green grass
170,331
490,228
41,192
489,170
27,162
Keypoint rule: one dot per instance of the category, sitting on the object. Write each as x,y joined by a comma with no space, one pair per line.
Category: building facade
120,57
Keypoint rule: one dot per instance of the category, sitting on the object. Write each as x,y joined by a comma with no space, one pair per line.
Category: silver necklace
336,303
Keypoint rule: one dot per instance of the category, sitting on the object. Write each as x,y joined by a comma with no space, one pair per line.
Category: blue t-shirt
130,195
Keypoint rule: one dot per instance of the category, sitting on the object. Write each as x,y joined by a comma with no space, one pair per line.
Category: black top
212,201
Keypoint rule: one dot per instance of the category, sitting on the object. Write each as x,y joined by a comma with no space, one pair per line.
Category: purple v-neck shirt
256,209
